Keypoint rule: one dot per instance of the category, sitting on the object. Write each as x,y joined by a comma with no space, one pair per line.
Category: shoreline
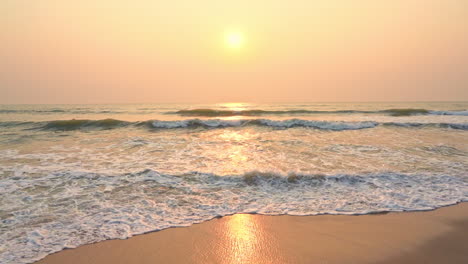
434,236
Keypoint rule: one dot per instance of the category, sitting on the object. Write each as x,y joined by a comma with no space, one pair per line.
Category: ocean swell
75,124
259,112
208,112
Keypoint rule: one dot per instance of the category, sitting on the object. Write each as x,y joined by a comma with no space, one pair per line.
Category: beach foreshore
439,236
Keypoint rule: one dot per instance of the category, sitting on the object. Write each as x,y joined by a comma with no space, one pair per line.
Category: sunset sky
122,51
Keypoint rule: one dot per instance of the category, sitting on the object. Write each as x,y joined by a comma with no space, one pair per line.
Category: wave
218,123
76,124
105,124
258,112
58,111
405,112
118,206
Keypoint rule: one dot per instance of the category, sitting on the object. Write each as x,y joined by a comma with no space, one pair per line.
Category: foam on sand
65,209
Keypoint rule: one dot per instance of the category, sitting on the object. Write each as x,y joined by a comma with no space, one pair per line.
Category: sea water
77,174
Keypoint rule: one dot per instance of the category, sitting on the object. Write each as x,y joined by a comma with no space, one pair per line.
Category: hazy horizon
114,52
238,102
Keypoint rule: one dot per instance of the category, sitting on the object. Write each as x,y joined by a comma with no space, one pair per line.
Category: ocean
77,174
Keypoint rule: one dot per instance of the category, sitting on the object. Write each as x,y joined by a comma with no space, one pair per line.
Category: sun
234,39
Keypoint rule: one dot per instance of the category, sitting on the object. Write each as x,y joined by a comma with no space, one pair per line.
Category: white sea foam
218,123
108,124
290,123
327,125
65,209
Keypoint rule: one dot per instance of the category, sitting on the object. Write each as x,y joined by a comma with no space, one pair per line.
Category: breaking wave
217,123
105,124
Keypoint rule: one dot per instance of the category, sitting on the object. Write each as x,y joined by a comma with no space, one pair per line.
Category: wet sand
439,236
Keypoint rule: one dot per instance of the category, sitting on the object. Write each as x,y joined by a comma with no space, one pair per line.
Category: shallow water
71,175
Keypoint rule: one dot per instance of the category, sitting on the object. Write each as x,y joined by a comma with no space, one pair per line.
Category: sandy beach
438,236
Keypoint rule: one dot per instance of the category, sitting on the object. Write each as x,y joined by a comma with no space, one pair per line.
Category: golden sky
122,51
